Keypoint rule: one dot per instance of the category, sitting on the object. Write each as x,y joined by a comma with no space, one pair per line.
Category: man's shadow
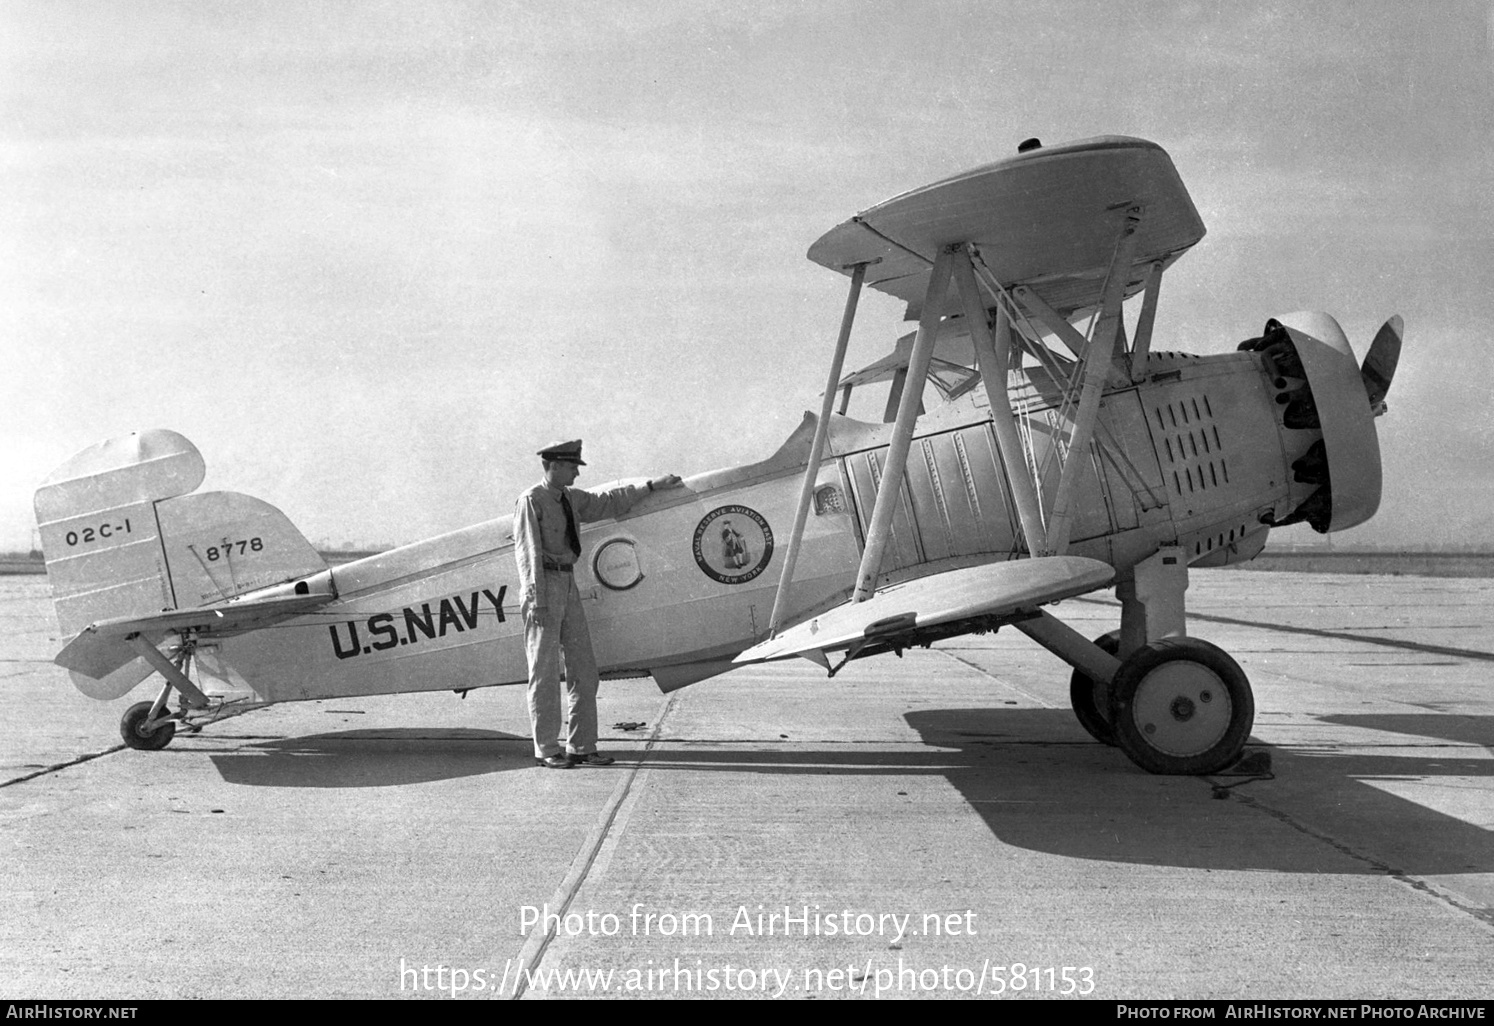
375,757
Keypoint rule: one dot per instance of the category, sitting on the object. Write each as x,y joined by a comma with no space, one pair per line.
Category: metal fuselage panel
1190,456
954,501
397,629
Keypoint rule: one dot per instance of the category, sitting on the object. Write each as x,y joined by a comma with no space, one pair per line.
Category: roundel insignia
733,544
616,564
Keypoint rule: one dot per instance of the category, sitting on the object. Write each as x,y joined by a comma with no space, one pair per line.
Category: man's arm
591,506
528,550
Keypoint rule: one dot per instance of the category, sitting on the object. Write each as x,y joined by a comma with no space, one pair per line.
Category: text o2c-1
102,532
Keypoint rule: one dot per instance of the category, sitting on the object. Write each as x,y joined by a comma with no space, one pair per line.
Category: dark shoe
593,759
560,761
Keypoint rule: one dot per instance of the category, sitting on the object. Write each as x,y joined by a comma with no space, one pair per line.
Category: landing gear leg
1177,705
1152,606
147,726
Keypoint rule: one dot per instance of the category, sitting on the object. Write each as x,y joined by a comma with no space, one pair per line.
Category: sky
370,257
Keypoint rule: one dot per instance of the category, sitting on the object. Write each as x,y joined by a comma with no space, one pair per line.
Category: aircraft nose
1326,424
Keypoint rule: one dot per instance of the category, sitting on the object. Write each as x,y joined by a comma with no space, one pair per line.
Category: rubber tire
1082,696
1149,681
131,722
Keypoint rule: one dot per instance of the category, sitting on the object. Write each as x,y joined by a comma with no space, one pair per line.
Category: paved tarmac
935,825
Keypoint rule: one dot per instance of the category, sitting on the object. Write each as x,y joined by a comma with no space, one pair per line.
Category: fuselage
1193,454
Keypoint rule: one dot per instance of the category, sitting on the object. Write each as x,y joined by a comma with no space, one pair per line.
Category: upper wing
1047,218
992,590
101,649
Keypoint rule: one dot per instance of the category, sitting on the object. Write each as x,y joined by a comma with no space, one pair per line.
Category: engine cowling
1327,424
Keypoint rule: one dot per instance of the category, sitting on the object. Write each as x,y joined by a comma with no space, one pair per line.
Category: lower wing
905,611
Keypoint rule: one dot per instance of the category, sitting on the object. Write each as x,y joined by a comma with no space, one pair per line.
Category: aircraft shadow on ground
374,757
1034,777
1458,728
1039,782
1318,815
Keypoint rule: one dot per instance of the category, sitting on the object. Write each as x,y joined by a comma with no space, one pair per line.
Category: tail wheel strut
147,726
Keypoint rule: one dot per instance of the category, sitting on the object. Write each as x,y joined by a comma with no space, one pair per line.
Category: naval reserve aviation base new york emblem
733,544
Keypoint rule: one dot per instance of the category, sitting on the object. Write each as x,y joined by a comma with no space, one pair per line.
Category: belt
557,566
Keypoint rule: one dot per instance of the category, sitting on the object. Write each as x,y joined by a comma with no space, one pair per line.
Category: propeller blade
1380,362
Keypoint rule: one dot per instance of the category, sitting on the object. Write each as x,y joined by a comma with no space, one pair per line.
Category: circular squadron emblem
733,544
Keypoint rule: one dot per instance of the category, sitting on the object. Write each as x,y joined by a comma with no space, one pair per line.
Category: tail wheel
1181,706
1091,698
132,727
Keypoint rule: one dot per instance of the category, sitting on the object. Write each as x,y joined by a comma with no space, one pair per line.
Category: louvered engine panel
1215,441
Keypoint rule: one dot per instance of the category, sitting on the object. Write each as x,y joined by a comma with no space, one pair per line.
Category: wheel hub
1183,708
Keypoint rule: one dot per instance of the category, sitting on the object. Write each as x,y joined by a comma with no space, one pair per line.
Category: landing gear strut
148,726
1173,704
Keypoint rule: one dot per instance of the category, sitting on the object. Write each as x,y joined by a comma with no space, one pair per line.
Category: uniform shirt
539,525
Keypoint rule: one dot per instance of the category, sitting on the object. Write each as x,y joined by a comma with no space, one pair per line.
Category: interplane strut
817,450
888,491
1099,359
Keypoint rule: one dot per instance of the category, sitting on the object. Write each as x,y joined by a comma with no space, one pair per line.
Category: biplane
1064,456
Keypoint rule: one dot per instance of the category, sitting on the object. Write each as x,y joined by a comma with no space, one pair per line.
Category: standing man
547,544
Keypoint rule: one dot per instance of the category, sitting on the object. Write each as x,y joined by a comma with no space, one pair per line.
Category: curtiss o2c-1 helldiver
1065,456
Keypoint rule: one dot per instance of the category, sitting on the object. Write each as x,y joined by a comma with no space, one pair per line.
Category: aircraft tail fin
124,534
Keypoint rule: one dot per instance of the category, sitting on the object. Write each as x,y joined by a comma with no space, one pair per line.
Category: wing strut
1069,335
1096,367
817,450
994,357
1141,345
889,492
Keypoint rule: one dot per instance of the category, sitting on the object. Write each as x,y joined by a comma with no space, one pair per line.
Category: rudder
124,535
99,534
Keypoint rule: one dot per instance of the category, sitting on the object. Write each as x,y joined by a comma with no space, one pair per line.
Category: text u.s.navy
455,613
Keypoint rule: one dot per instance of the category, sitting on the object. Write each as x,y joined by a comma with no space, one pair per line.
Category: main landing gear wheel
132,728
1181,706
1091,698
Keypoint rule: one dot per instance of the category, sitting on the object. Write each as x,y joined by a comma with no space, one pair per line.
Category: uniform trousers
559,623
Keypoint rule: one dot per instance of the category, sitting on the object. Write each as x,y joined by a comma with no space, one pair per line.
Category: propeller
1380,362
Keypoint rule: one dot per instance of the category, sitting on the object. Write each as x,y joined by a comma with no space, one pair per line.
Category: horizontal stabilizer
116,683
101,648
991,590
